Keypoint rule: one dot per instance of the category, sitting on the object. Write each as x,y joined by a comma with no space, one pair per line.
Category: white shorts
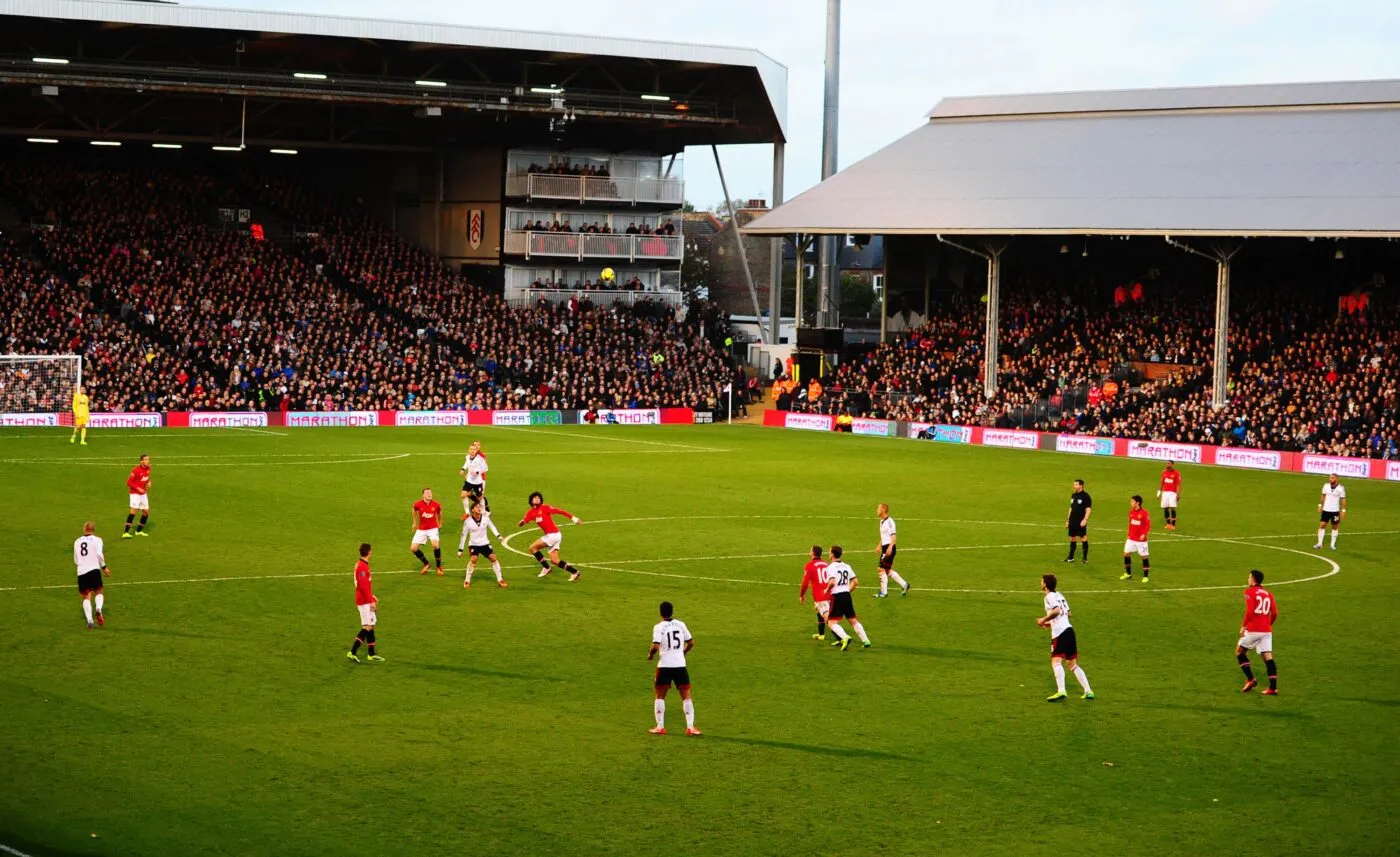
424,536
1139,548
823,608
1257,641
552,540
140,501
1168,499
367,616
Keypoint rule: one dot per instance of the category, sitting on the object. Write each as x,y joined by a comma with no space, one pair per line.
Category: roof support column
763,334
1220,362
775,272
828,278
990,350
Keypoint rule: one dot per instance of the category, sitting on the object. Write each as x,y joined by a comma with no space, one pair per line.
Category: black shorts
887,559
1078,530
1331,517
481,550
667,676
842,607
474,490
90,581
1065,646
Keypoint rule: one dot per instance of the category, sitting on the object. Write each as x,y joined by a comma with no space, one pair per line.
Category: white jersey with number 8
671,635
87,554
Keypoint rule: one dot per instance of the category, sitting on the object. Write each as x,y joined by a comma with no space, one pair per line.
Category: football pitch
216,712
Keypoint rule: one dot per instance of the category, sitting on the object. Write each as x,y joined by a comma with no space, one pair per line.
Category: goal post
40,384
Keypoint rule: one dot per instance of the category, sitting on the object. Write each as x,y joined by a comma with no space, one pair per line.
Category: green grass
220,716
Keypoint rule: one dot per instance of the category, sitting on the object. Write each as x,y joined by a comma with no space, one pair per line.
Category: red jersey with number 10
1260,611
364,594
1139,525
428,513
1171,480
544,516
812,578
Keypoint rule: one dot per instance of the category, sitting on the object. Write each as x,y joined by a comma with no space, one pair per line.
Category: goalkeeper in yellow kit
80,416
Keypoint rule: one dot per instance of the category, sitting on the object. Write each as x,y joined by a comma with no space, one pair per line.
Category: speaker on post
825,339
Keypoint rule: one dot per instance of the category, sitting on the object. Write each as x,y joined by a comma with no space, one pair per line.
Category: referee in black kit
1081,506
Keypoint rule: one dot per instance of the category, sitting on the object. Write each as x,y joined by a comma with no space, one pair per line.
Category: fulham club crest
476,223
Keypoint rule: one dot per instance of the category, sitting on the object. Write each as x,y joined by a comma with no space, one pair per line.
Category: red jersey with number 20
363,593
1139,525
1260,611
544,516
812,578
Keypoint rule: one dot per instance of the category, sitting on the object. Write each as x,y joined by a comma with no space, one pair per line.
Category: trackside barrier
1189,453
358,419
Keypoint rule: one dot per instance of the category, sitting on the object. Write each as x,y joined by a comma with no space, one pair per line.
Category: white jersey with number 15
671,635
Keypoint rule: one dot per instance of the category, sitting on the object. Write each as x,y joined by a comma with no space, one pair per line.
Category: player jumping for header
550,537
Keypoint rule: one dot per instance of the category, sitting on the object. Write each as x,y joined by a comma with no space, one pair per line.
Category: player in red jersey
367,604
1139,525
427,518
821,595
137,486
550,537
1169,491
1257,633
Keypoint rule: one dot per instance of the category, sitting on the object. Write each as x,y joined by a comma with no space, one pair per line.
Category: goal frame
46,358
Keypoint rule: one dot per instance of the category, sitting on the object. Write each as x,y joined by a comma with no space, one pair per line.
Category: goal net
40,384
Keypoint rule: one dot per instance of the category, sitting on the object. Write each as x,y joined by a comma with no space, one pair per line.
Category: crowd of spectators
568,169
597,227
1304,376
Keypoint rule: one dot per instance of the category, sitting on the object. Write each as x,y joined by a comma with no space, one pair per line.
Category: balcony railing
587,245
525,298
597,189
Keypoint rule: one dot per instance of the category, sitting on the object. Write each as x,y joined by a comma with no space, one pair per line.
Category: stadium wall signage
874,428
214,419
430,418
1179,452
29,419
630,417
1223,456
135,419
337,419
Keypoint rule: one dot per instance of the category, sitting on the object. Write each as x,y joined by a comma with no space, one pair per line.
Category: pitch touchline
123,461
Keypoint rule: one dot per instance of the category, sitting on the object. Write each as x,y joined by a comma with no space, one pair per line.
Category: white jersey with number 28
838,576
671,635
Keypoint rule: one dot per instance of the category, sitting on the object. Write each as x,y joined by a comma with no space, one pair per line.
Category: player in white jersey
474,479
671,639
841,579
475,527
91,562
1333,510
1064,648
888,549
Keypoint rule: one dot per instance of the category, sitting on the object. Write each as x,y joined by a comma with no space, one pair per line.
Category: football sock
1321,534
1072,546
470,569
359,638
689,707
418,552
496,567
369,641
1085,545
894,575
97,602
83,435
544,563
860,631
821,626
1059,670
130,518
141,525
884,583
1244,665
838,631
1334,538
1272,669
87,610
566,567
1127,565
1083,679
660,708
1146,566
437,556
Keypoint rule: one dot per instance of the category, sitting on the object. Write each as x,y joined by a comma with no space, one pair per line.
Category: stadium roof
1285,160
115,48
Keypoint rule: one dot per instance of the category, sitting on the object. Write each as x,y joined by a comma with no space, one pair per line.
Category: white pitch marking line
230,579
580,436
253,430
311,461
15,852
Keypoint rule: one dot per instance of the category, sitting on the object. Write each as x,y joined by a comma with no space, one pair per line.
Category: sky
900,57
